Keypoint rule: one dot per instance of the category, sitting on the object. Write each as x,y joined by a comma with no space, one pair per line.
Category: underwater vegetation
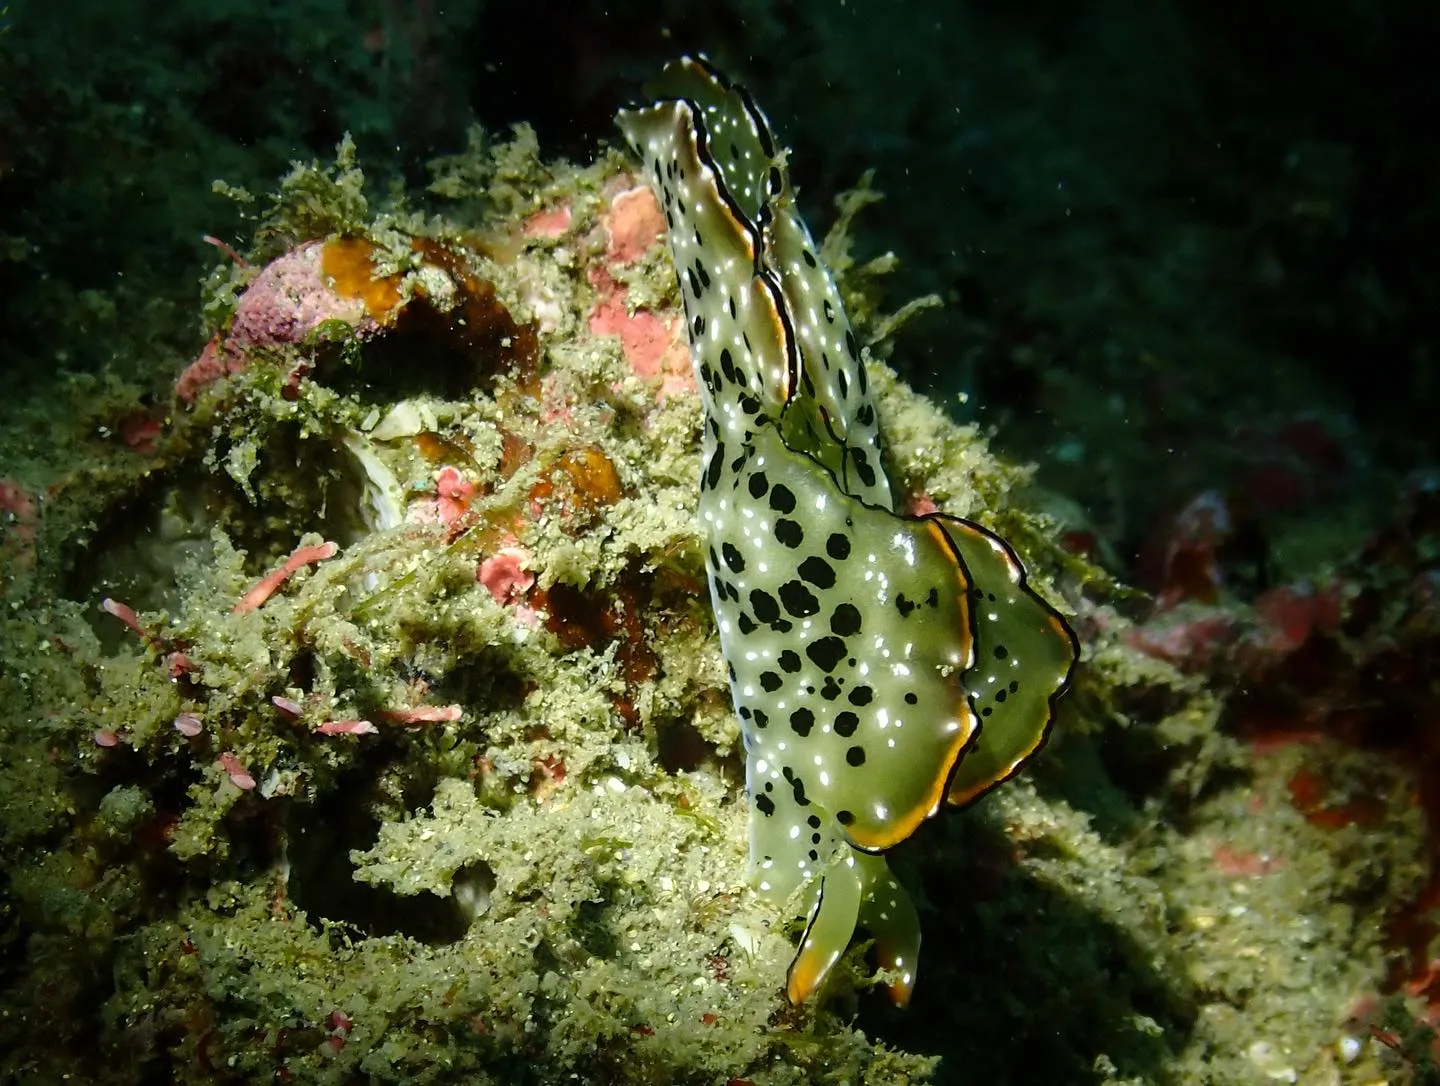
365,718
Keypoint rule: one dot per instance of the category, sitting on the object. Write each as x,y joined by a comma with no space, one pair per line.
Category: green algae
549,888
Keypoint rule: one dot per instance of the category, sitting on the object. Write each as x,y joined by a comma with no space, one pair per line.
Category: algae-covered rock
401,750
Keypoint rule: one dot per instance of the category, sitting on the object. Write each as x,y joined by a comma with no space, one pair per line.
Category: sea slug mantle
879,662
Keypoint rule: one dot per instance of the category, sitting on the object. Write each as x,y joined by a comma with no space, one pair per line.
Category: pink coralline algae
633,224
126,614
504,575
271,582
922,505
1189,637
15,502
451,486
288,300
235,769
1191,566
424,714
189,724
141,432
453,495
1250,643
346,727
1288,615
653,344
550,223
289,706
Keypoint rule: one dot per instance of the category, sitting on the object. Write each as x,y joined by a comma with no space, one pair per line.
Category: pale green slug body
878,662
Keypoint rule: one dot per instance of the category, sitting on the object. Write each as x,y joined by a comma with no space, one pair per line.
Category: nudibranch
879,662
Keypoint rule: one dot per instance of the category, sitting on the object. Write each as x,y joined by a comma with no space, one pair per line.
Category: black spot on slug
845,620
764,605
818,572
733,558
798,600
863,467
789,532
826,652
797,785
715,467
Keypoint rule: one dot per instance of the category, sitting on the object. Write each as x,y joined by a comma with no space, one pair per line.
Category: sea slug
878,662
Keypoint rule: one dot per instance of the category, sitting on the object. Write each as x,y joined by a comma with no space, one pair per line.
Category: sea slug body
879,662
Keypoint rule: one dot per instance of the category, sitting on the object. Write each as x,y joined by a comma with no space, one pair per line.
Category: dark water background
1165,232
